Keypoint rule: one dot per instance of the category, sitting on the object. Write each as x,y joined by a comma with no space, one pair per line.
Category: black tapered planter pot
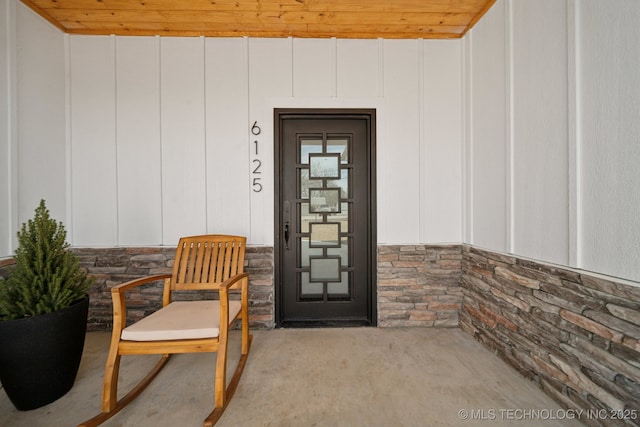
40,355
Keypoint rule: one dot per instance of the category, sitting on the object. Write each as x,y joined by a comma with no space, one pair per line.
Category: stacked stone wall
576,334
113,266
419,285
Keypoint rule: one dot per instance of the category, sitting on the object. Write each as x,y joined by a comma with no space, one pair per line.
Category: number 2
257,169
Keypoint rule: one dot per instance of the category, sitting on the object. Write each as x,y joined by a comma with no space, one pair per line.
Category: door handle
286,219
286,236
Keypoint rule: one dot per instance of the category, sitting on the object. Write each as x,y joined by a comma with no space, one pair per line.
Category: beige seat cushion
181,320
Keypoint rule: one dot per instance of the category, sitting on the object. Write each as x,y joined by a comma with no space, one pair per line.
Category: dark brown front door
325,217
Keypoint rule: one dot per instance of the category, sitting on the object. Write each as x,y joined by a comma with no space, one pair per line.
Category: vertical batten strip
114,52
380,67
467,146
204,130
574,128
68,137
509,130
161,213
334,68
422,141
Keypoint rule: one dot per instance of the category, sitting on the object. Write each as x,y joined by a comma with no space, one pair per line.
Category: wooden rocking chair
211,262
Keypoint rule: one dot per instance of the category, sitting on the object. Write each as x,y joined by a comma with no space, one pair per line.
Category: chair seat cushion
181,320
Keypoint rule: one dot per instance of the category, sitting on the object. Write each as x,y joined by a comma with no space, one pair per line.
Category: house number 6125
256,163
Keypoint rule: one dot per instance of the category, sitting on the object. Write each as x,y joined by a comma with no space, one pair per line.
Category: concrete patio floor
317,377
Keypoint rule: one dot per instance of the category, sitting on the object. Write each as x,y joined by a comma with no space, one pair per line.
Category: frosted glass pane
306,252
342,217
307,288
324,200
325,234
342,252
306,218
342,183
306,183
327,166
325,269
340,288
308,146
340,147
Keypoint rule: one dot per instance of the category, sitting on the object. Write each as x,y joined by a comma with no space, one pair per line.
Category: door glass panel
342,252
324,200
306,252
306,183
308,146
341,217
324,166
325,234
323,190
306,218
342,183
326,269
339,146
341,288
309,289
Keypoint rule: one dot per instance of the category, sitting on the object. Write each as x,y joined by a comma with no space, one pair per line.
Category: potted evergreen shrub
43,315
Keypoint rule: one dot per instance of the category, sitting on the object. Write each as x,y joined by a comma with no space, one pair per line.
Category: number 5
257,187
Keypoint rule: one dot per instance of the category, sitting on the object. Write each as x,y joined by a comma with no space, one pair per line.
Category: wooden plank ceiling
265,18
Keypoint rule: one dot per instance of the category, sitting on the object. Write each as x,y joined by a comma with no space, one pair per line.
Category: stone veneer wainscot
575,333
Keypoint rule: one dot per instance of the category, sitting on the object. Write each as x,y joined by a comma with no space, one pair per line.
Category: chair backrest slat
203,262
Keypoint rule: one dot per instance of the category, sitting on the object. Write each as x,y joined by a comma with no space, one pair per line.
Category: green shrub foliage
46,277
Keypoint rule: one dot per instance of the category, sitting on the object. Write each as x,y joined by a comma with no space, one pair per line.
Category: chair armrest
240,281
232,282
120,303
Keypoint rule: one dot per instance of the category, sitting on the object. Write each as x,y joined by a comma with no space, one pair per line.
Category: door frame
369,114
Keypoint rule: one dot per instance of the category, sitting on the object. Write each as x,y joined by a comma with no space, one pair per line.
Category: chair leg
221,376
110,382
245,333
217,412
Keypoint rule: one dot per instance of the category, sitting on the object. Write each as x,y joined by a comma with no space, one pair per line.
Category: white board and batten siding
609,137
138,141
551,136
182,134
172,126
441,142
509,139
227,118
399,162
486,147
93,165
